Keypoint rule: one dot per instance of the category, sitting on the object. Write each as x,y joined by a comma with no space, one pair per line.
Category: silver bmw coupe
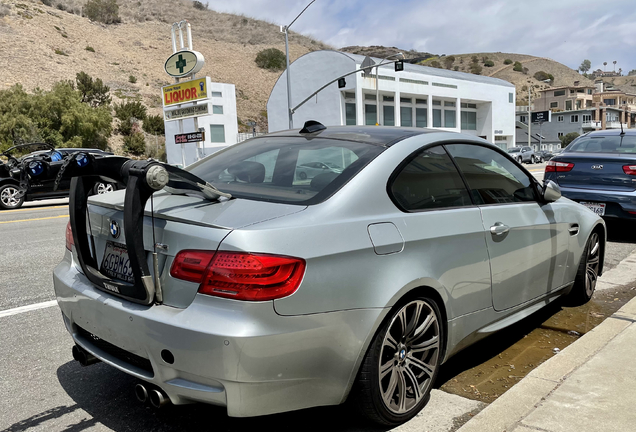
265,292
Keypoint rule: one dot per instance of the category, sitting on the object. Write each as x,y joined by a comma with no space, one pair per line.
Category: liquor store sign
189,138
184,92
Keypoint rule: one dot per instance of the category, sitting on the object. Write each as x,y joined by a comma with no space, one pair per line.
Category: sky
567,31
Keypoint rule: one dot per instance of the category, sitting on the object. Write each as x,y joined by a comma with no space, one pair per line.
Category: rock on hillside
42,44
384,52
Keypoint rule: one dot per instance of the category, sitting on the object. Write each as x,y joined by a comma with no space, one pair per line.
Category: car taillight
629,169
553,166
240,275
70,242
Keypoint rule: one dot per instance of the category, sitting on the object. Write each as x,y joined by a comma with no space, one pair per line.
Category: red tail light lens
629,169
240,275
70,241
553,166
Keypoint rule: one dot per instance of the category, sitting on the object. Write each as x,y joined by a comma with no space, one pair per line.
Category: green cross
181,63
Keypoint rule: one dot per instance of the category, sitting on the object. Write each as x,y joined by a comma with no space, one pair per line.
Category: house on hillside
418,96
566,98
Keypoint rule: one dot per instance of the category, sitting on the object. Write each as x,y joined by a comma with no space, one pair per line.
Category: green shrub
60,52
507,61
271,59
475,69
489,63
518,67
94,93
199,5
435,64
135,144
474,59
154,125
129,110
132,79
542,76
104,11
456,68
90,48
47,2
568,138
126,127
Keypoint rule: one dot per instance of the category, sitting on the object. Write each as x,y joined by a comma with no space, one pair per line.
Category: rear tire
400,367
8,197
587,273
532,160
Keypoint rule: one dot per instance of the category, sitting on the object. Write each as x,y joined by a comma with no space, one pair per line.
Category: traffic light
342,83
399,66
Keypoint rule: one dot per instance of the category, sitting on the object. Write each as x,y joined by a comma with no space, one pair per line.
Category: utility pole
529,117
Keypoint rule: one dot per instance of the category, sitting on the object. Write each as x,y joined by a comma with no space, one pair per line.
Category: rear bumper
240,355
619,204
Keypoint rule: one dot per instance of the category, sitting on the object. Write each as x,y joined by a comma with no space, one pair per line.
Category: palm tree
614,65
604,64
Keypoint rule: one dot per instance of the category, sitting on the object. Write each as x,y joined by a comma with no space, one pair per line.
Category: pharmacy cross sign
184,63
181,63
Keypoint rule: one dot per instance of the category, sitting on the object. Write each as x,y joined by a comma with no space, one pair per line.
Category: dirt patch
489,368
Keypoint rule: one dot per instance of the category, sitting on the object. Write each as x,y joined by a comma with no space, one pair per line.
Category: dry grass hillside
42,44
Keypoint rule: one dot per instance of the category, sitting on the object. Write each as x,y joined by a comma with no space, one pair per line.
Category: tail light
240,275
553,166
70,242
629,169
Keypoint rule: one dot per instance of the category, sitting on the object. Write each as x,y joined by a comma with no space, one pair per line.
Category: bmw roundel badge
114,229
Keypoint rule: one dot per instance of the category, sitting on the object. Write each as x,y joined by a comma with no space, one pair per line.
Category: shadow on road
620,231
107,395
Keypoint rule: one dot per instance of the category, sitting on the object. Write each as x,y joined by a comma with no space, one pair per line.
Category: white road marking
28,308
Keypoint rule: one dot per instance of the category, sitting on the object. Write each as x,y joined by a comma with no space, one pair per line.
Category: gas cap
386,238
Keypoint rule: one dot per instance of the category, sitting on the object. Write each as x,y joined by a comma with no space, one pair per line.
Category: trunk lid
180,222
597,171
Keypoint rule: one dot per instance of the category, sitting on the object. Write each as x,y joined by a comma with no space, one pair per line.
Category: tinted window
491,177
514,150
429,181
604,144
285,169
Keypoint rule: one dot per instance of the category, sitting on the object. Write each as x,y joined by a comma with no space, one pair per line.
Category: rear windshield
604,144
290,170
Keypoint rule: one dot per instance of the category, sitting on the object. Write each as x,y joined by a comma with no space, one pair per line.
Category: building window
449,118
568,105
412,81
437,118
587,118
349,95
217,133
406,116
559,93
350,114
388,98
560,118
589,91
511,97
449,104
468,105
609,101
554,104
572,91
574,118
522,119
444,85
421,117
217,94
368,96
421,101
389,115
406,100
370,114
217,109
469,120
501,138
578,104
436,102
559,134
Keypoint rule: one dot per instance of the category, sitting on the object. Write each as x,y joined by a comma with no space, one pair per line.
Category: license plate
598,208
116,263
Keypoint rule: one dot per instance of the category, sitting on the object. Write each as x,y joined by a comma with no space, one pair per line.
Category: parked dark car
28,173
543,155
523,154
598,170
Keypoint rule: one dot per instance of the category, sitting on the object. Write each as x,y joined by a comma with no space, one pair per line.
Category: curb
517,403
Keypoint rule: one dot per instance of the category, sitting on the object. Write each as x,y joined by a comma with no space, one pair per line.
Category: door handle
499,229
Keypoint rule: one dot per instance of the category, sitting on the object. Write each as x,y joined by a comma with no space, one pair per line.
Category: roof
378,135
443,73
612,132
568,87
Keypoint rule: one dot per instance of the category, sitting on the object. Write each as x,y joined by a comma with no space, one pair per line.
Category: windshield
514,150
284,169
604,144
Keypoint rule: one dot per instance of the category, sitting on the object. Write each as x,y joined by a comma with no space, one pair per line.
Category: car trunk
180,222
597,171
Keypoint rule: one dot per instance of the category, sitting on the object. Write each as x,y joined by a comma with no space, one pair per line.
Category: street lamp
377,85
284,29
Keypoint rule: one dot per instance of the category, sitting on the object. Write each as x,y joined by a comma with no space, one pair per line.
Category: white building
218,120
426,97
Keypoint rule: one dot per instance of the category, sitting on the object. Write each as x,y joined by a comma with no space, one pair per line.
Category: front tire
532,160
9,197
400,367
587,273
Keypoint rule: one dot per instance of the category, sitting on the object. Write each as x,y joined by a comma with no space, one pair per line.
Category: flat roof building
418,96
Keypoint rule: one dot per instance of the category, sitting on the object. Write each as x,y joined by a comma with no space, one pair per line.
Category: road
42,388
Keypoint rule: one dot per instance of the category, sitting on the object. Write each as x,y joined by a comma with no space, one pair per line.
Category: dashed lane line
35,219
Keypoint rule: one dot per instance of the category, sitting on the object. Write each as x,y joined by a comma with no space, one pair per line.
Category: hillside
523,80
42,44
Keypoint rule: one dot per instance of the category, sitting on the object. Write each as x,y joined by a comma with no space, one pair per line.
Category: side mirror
551,191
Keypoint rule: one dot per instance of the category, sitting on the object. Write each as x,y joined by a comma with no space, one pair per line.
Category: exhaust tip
158,398
141,393
83,357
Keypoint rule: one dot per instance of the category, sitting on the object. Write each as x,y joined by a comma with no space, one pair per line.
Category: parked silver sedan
355,285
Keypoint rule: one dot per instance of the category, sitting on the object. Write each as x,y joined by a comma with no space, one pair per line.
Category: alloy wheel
592,263
103,188
409,356
9,197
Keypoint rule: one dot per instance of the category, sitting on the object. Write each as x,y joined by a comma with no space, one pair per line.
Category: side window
429,181
491,177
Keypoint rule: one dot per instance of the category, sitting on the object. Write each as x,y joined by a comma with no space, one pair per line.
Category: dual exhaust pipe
156,397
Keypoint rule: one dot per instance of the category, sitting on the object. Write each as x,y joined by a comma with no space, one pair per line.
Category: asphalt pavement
42,388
